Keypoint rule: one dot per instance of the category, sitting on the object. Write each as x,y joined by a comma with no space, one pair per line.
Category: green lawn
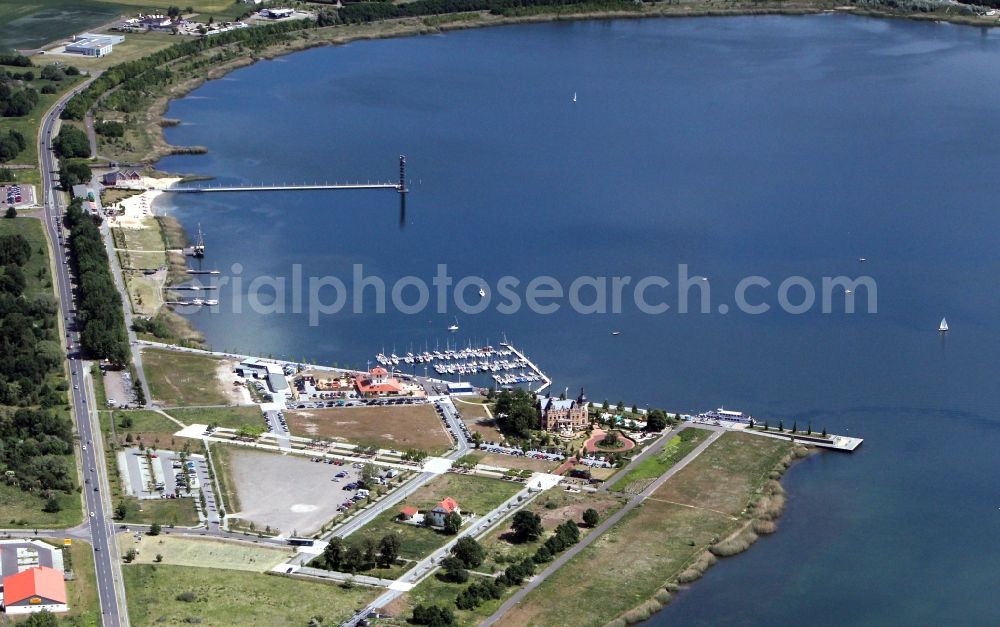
182,379
33,23
230,417
473,494
23,509
178,512
228,597
671,453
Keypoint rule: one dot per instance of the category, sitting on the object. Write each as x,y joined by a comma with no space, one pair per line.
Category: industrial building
91,45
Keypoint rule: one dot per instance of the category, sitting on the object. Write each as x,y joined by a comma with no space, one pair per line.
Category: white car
91,514
85,447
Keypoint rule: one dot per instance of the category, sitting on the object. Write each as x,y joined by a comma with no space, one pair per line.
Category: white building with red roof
441,511
378,382
33,590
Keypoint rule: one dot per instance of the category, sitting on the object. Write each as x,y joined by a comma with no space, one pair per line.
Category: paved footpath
518,596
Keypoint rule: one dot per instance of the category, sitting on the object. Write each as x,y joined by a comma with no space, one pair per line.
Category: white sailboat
574,96
943,327
453,327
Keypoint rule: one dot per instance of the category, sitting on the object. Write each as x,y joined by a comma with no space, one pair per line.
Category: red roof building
407,513
441,510
378,382
33,590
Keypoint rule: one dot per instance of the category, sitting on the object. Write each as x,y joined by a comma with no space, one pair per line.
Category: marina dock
505,365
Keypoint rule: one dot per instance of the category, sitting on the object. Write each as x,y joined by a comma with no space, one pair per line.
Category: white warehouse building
92,45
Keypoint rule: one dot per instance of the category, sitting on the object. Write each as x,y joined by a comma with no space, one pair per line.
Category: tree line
359,554
360,12
99,313
33,440
16,101
28,332
11,145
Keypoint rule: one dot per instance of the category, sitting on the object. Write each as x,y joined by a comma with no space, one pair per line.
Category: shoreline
765,512
152,116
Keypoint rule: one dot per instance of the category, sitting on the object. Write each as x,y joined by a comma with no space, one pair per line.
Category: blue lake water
771,146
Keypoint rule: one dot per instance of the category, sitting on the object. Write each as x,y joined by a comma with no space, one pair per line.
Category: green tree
469,552
52,506
121,510
590,517
388,550
334,552
656,420
158,558
477,439
154,529
527,526
452,523
516,413
11,212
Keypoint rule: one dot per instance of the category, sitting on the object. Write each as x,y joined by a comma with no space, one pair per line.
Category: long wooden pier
284,188
399,186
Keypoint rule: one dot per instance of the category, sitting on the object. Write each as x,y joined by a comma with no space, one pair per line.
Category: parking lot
18,195
162,475
289,493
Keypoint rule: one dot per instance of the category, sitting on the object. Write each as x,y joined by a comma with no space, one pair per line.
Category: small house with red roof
378,382
441,510
408,512
33,590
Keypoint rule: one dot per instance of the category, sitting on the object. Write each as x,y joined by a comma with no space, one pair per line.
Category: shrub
187,597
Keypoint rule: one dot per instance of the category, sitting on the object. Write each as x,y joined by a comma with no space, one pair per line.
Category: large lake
771,146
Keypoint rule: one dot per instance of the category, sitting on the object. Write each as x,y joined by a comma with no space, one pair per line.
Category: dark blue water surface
771,146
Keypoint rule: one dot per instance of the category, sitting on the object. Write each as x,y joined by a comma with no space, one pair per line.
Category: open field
655,542
643,473
24,509
26,24
400,427
203,552
148,427
222,463
473,494
167,512
285,492
510,461
182,378
229,417
136,45
229,597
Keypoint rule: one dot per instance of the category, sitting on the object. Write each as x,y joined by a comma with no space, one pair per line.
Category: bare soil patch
396,427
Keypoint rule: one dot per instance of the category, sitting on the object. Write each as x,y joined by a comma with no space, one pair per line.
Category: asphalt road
110,587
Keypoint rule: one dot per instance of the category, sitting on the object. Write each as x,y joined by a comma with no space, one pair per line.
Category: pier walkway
284,188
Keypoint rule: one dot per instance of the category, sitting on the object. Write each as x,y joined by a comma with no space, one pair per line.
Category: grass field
510,461
204,553
80,591
230,417
473,494
136,45
433,591
167,512
223,474
24,509
400,427
181,379
149,428
652,467
229,597
657,540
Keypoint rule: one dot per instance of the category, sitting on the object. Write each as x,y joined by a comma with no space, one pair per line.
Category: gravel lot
287,492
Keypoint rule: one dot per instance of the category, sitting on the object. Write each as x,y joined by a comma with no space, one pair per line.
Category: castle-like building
564,415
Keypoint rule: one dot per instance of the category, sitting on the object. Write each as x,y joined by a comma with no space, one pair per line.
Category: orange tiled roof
449,505
40,581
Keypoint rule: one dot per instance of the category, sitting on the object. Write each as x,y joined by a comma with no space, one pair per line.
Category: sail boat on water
574,96
453,327
943,327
